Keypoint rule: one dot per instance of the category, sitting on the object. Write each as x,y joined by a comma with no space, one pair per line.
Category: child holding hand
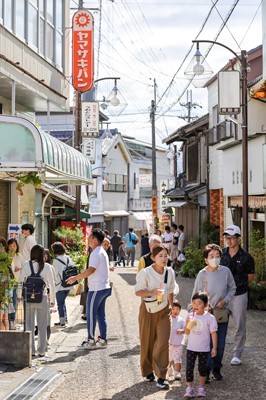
176,337
200,324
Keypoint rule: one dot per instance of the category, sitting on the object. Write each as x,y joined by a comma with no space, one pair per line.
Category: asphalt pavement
114,372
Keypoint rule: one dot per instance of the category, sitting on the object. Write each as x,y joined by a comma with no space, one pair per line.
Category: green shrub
74,241
194,259
258,252
210,233
6,282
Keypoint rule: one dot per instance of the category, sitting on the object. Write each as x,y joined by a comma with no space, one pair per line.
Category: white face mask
214,262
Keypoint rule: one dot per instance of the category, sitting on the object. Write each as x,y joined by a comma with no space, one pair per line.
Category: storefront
28,151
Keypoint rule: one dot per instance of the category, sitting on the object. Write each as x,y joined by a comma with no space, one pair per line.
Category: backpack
68,272
33,287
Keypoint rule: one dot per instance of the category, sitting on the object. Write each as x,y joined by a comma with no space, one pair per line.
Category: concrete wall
19,353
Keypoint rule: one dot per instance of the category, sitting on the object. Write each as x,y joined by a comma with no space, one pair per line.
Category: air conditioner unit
57,211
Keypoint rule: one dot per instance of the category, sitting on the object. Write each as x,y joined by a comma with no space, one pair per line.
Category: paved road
114,373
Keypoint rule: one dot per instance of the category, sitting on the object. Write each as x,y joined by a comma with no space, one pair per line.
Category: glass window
8,7
34,3
32,26
50,11
1,9
58,51
49,42
41,7
42,37
116,183
59,16
20,19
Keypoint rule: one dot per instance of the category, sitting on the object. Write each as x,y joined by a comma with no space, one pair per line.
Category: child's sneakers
189,393
201,391
101,342
177,376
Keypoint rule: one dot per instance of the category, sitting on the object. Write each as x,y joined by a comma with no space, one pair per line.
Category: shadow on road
139,391
126,353
129,278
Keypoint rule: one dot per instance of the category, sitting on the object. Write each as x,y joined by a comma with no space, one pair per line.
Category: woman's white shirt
17,262
149,279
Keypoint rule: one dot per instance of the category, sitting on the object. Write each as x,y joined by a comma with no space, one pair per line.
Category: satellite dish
48,202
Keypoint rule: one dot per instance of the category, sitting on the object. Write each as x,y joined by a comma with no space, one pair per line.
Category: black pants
202,364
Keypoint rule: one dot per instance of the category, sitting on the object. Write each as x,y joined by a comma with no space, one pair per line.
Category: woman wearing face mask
218,282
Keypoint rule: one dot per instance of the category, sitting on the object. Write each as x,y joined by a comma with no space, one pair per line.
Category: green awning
71,213
25,148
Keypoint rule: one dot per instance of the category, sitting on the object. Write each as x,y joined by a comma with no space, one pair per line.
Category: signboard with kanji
154,206
89,149
163,197
90,119
82,51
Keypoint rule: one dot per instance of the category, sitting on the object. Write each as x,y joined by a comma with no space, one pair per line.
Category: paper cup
160,295
191,323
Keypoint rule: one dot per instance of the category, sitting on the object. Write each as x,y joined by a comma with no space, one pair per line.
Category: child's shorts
175,353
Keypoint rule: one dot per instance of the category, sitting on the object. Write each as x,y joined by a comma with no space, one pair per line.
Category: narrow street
114,373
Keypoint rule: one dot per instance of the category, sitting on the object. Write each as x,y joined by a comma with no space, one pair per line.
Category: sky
148,45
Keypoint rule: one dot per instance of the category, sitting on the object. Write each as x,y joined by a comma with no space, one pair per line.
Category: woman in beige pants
155,285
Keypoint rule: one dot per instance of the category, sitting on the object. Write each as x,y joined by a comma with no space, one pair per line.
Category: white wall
233,164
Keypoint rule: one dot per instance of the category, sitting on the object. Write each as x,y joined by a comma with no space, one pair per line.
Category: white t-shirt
182,238
28,244
167,237
149,279
199,337
99,280
176,338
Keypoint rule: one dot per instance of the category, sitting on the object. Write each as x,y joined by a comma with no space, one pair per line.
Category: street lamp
198,70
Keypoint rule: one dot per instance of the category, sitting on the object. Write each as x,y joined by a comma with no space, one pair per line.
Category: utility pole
189,105
154,175
78,139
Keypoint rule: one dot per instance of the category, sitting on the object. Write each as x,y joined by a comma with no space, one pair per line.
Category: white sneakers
235,361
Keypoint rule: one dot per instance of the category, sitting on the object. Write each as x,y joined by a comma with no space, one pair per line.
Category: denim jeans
95,312
61,304
216,362
12,316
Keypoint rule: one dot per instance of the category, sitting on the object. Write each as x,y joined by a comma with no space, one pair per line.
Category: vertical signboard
89,149
163,198
90,119
82,51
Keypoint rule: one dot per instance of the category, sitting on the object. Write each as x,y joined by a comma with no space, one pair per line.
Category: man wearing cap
241,264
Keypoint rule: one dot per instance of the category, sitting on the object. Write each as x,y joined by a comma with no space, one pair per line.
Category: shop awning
31,149
176,204
142,215
116,213
71,212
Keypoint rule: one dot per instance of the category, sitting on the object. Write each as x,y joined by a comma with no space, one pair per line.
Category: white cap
232,230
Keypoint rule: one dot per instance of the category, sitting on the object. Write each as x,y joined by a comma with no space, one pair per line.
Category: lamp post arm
219,44
107,78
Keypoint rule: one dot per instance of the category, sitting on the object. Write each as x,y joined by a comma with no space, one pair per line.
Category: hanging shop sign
82,51
90,119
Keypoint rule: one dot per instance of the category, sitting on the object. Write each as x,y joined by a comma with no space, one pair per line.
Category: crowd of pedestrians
219,293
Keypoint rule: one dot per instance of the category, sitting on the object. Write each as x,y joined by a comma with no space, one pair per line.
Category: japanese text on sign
82,48
163,197
90,119
154,206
